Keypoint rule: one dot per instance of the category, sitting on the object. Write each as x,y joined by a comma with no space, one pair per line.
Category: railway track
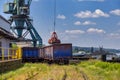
32,77
65,75
85,77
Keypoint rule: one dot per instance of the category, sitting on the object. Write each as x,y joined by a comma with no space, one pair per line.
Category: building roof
6,34
4,19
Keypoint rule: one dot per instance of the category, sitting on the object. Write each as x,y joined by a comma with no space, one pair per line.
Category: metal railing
10,53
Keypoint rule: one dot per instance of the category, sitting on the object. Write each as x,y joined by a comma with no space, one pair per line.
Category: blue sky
80,22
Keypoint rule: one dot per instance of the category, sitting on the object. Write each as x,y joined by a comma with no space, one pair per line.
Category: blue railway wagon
58,52
30,54
41,54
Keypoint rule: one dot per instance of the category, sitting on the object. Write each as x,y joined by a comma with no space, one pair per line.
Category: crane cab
8,8
25,10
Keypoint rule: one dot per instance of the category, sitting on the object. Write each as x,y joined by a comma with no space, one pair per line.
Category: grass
95,70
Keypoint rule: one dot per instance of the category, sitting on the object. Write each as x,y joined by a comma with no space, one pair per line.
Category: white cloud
114,35
84,23
90,30
115,12
88,14
77,23
61,16
92,0
95,30
75,31
89,23
36,0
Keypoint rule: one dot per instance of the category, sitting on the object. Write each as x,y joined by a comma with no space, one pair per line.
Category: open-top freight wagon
52,53
30,54
58,53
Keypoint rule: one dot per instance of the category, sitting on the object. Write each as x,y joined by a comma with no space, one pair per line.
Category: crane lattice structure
20,10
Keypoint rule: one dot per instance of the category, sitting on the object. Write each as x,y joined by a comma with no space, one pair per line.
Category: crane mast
20,11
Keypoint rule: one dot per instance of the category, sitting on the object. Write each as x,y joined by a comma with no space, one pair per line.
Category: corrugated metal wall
62,51
58,51
30,52
4,24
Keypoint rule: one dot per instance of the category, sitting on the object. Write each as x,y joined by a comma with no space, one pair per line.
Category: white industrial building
5,36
